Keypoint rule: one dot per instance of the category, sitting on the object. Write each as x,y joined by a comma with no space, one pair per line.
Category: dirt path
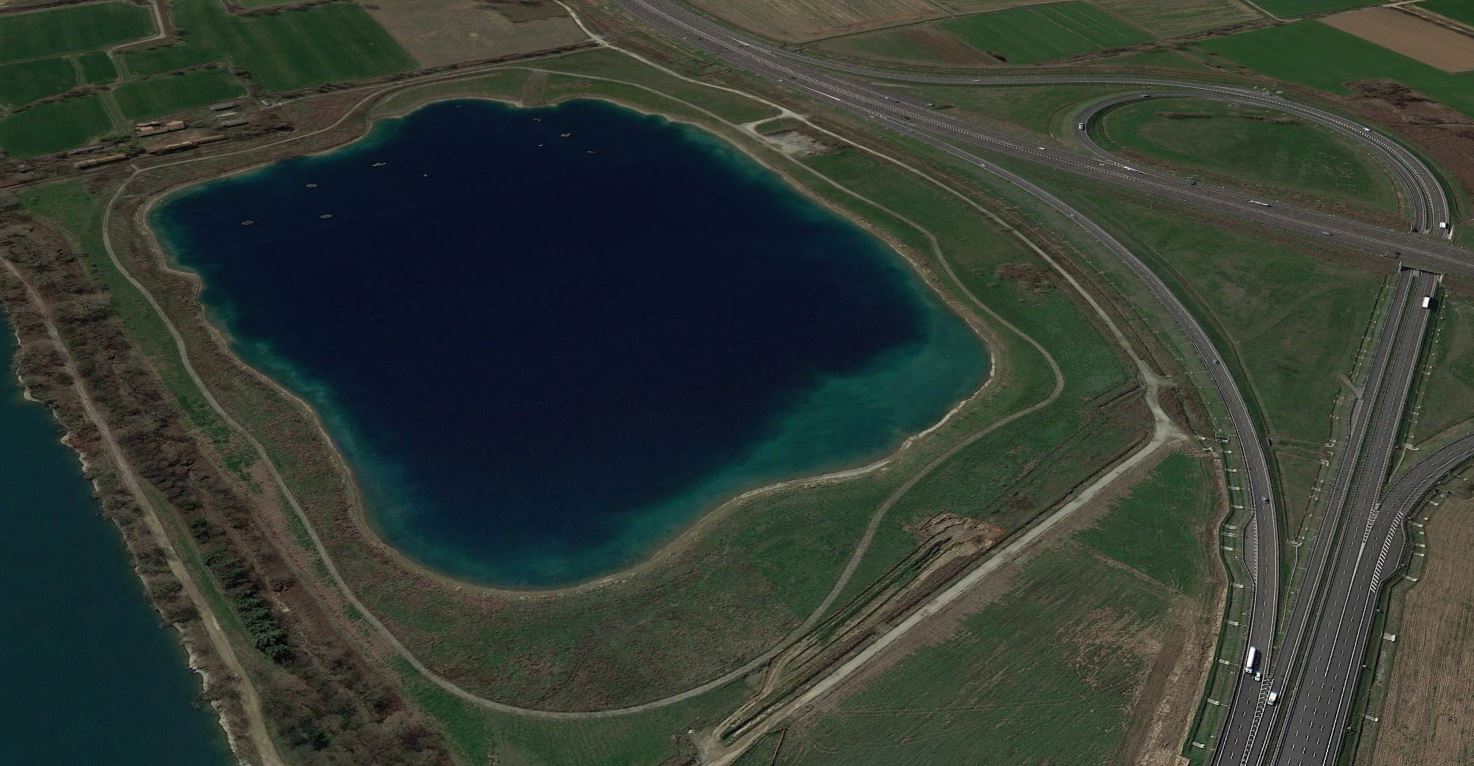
250,700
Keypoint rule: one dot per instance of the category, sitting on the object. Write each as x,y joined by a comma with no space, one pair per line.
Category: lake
91,675
548,339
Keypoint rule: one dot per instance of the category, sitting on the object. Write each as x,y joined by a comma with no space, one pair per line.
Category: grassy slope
1235,145
1447,395
1047,673
71,29
1040,33
1313,54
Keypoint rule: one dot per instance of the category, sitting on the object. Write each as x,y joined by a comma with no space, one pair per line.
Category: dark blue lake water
90,675
549,338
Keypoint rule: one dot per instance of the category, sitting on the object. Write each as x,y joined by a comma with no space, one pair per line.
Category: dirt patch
444,32
1029,278
1412,36
1428,717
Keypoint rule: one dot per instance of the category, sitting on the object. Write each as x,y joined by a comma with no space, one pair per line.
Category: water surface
89,673
549,338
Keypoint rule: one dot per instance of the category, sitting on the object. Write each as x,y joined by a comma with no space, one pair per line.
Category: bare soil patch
1412,36
1442,133
443,32
805,20
1428,717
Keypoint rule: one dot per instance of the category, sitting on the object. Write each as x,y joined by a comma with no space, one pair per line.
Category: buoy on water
312,186
326,216
247,222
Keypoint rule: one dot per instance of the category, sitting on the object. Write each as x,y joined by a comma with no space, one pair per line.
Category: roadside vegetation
1054,667
1256,149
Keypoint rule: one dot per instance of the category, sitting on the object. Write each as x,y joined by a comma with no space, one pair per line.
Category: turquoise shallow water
547,339
89,675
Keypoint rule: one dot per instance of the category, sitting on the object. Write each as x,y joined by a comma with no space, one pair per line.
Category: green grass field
71,29
1313,54
167,94
167,58
1461,10
1049,671
28,81
1262,148
330,43
1044,32
1292,8
97,68
1448,395
54,126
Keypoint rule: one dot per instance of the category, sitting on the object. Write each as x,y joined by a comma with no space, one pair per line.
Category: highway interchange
1361,534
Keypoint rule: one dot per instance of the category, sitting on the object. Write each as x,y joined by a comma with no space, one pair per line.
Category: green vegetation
71,29
1146,532
1240,145
1448,392
1313,54
54,126
167,58
296,48
97,68
167,94
1049,671
1036,108
28,81
1043,32
1460,10
1291,8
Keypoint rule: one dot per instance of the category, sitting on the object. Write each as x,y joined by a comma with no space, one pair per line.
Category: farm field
1038,33
1052,668
1313,54
143,62
54,126
97,68
1426,717
71,29
299,48
28,81
812,19
1292,8
167,94
1259,149
922,44
1166,18
1458,10
440,32
1412,36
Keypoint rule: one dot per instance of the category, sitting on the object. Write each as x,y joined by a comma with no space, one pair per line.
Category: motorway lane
1321,685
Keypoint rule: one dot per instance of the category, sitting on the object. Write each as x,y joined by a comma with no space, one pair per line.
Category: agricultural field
790,21
1166,18
167,94
143,62
1045,32
300,48
54,126
71,29
1412,36
1293,8
1313,54
97,68
27,81
1458,10
1426,717
922,44
1258,149
1054,667
440,32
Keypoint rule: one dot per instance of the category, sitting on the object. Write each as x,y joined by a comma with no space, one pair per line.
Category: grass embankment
1258,149
1315,55
1053,669
1445,396
1038,33
765,563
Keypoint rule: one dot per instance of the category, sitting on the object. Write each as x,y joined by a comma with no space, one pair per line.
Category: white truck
1251,661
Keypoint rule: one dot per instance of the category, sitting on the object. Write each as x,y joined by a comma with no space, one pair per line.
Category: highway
1320,684
1251,720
